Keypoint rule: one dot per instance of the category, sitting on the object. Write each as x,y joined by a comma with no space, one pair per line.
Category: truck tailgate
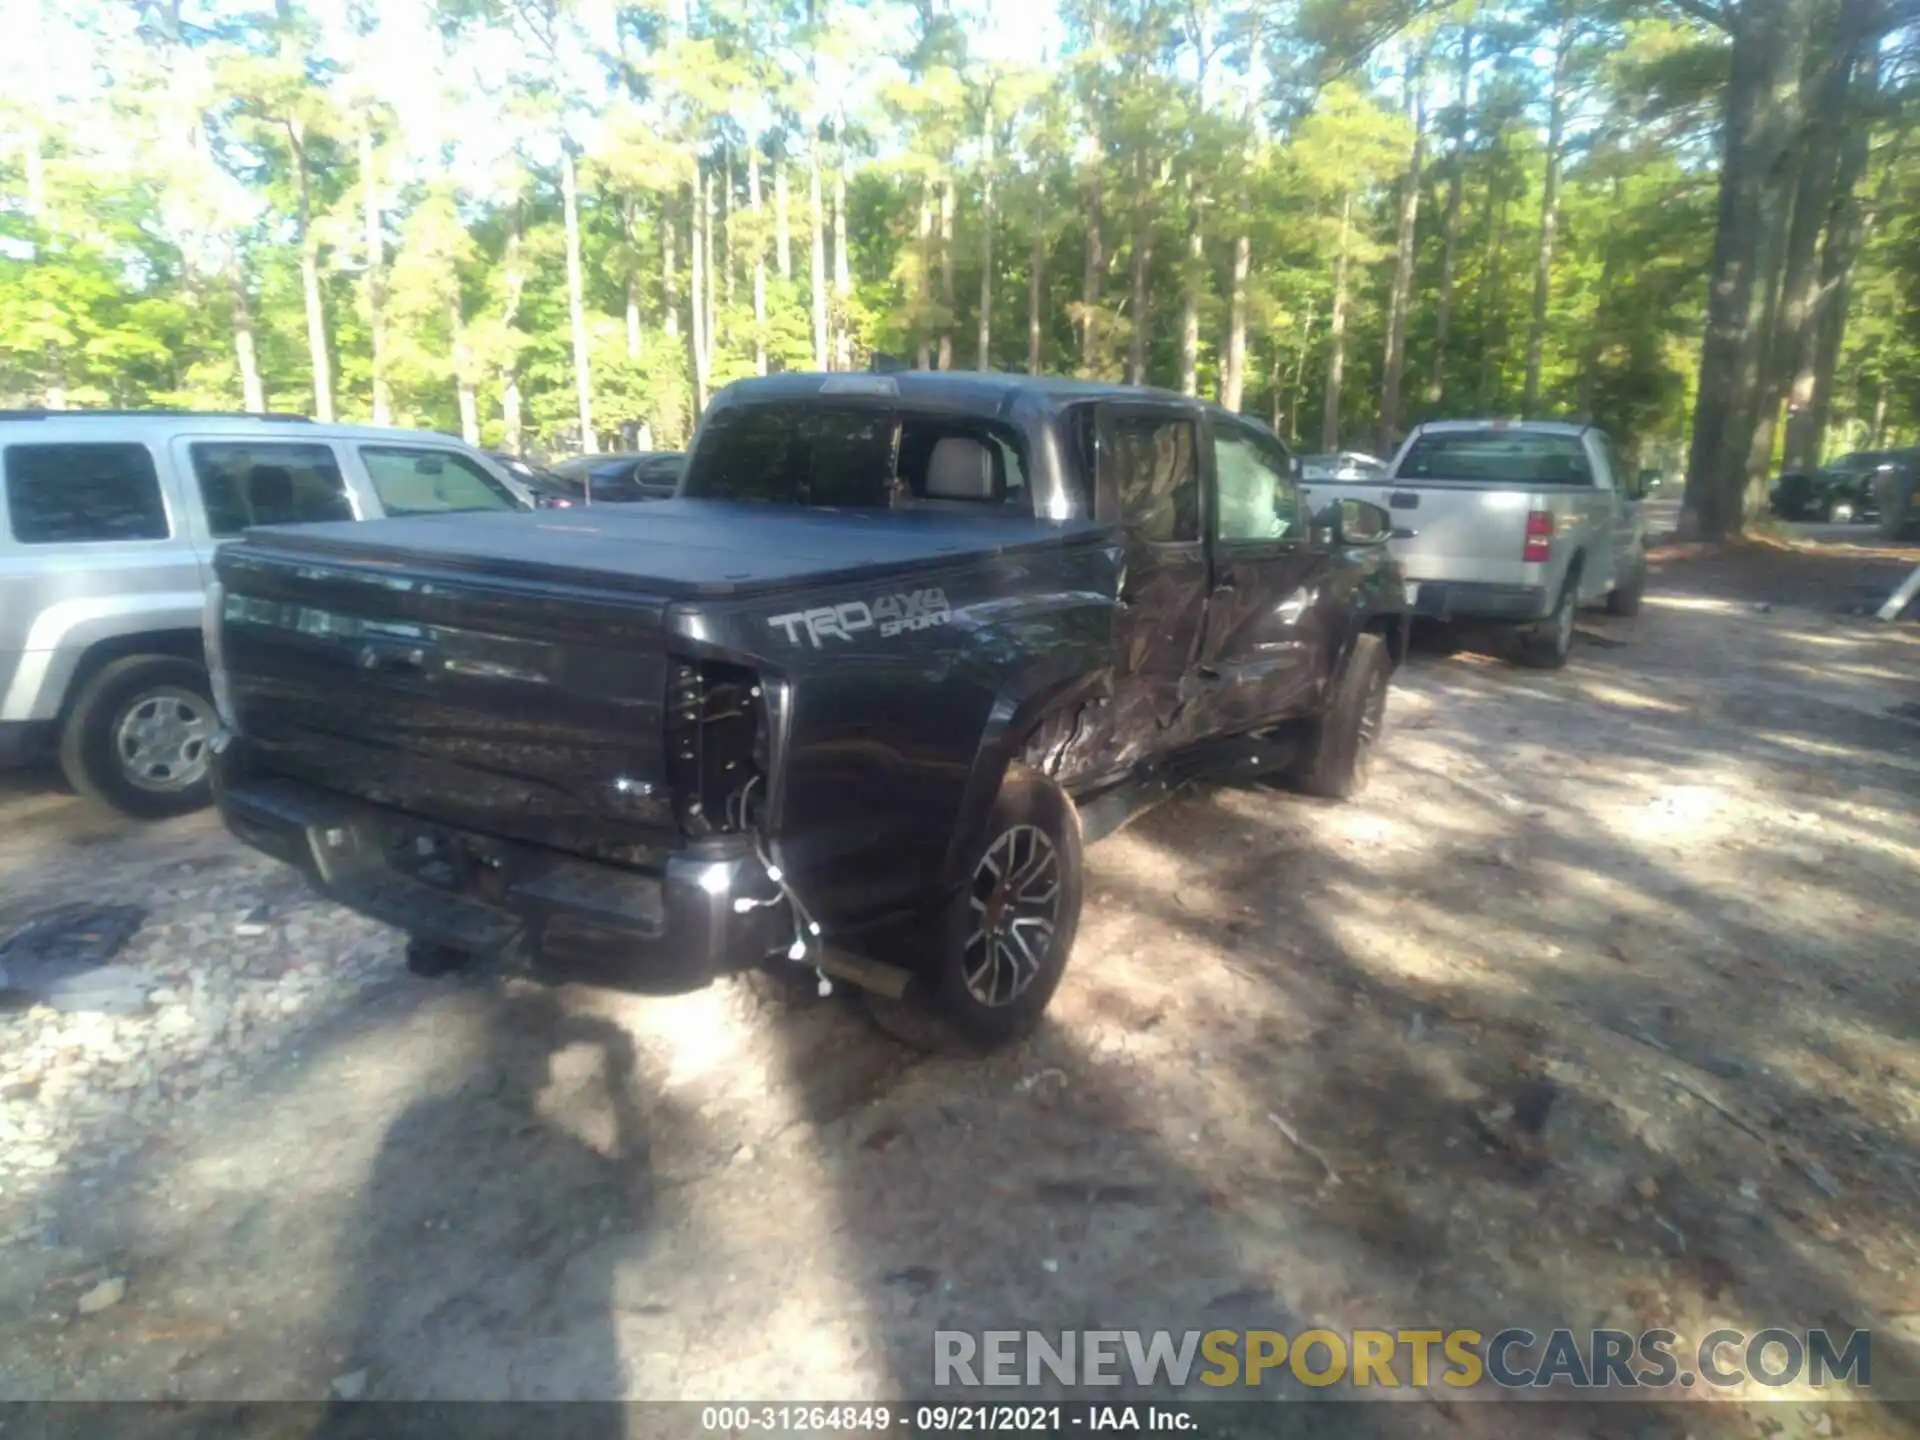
521,710
1464,530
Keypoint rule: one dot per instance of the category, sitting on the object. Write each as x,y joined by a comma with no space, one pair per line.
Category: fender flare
1022,705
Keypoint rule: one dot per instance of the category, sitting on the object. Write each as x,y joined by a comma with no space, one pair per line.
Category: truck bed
673,549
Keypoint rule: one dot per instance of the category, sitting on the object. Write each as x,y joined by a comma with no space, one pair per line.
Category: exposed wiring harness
806,930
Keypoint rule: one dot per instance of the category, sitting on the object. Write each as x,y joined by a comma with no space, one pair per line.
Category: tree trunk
984,357
317,355
1493,321
697,250
1299,376
1405,238
576,303
711,334
1846,233
1234,378
923,282
842,264
1036,277
759,262
1450,227
1190,296
245,354
1142,248
1096,269
726,225
1827,173
669,271
1337,335
782,220
1590,357
510,368
1549,219
946,273
463,380
633,278
1723,418
373,280
817,259
1879,420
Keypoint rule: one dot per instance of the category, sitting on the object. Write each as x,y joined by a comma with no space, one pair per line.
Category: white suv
108,525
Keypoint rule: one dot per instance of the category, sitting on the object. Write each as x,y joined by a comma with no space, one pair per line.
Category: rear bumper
1479,600
24,741
654,933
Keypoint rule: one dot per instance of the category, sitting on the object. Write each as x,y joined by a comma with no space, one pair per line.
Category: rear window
431,482
799,454
83,494
1509,457
246,484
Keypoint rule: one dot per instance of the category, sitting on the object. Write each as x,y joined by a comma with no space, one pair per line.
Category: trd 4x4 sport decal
889,614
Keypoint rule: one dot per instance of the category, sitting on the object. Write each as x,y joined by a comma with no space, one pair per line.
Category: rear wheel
995,954
1337,760
139,737
1547,644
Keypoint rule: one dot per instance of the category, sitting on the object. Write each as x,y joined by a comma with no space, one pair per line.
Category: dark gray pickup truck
854,698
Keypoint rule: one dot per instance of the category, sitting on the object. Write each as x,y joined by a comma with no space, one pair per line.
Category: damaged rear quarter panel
897,703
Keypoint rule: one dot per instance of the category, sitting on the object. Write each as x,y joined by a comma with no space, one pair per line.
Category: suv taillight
716,733
1539,535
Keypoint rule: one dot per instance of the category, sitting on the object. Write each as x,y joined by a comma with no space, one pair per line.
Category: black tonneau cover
678,549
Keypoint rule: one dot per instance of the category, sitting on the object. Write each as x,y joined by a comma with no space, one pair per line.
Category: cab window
1258,499
1153,464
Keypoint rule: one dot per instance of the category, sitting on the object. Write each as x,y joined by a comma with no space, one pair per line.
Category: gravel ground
1599,1008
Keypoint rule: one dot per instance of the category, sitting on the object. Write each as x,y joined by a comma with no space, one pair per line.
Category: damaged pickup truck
854,699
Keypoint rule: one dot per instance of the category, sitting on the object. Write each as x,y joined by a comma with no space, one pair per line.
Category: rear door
235,481
1263,627
1151,464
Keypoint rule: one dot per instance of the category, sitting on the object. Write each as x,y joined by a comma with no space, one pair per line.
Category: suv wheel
998,950
139,737
1549,642
1337,760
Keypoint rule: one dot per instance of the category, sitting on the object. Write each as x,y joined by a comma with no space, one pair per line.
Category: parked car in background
108,525
1896,494
1514,523
1349,466
1835,494
543,489
621,479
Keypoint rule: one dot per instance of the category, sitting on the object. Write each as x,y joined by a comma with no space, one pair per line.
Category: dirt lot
1600,1009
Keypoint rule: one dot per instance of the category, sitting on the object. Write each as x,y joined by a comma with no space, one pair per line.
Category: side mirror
1351,522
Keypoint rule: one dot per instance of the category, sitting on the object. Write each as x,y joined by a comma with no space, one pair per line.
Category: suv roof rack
41,413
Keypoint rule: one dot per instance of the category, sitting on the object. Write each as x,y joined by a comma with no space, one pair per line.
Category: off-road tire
1547,643
1336,759
1624,598
98,724
1025,870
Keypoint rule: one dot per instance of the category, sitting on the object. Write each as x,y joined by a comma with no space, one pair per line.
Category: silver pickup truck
1517,522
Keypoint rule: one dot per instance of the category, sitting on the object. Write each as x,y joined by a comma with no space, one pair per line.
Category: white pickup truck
1513,522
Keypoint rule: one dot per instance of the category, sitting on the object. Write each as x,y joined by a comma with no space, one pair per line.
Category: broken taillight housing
716,734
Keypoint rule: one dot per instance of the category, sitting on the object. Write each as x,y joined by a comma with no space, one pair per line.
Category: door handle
1209,674
1225,582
